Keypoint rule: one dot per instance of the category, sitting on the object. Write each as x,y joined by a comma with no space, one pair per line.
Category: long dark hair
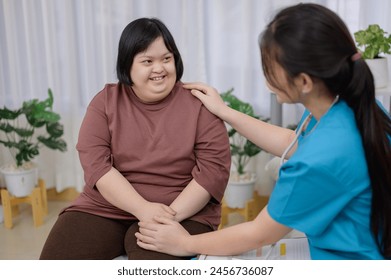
309,38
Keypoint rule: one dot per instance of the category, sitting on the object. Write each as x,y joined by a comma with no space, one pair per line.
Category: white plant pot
238,193
20,183
379,69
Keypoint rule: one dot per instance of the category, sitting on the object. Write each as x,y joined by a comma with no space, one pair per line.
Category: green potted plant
24,131
241,183
374,42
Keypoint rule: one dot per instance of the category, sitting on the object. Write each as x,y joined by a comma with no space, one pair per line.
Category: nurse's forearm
191,200
269,137
234,240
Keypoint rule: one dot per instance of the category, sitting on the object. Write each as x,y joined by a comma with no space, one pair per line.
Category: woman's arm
271,138
170,237
191,200
114,187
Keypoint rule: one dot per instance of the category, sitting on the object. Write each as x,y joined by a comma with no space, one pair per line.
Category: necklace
301,128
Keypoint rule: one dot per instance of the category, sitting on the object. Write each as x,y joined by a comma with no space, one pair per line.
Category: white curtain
71,47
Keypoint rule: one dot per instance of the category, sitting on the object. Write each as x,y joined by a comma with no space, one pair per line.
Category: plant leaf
237,104
8,114
26,151
22,132
373,41
55,129
38,114
6,127
251,149
53,143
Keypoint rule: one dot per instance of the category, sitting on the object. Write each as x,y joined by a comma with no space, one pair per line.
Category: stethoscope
300,130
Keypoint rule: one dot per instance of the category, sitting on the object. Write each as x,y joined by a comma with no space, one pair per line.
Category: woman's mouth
159,78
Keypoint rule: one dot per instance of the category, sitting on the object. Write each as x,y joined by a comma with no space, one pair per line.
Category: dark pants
78,236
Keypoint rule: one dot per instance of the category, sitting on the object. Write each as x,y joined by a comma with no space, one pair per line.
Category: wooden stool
249,212
37,199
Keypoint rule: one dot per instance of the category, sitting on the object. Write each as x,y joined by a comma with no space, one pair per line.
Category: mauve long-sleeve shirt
159,148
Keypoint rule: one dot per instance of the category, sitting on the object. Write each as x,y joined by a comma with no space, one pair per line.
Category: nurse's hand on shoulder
165,236
208,95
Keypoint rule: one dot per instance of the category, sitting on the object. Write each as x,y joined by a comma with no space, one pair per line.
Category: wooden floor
24,241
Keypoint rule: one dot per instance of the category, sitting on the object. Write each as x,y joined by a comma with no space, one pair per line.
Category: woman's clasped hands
153,209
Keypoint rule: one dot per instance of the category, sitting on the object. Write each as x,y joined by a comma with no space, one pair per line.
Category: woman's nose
158,67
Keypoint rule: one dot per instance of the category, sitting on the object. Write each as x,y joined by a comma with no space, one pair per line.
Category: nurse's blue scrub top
324,189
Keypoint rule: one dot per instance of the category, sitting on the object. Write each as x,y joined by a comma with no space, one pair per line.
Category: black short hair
135,38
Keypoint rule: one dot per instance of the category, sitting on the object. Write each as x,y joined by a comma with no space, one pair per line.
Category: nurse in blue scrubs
334,183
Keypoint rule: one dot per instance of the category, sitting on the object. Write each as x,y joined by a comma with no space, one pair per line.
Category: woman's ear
304,82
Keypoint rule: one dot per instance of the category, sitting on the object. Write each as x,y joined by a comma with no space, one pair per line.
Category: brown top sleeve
213,158
94,142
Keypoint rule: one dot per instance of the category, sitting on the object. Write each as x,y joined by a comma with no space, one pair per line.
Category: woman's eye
148,61
167,58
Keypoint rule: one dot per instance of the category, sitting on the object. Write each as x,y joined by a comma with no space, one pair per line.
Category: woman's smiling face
153,72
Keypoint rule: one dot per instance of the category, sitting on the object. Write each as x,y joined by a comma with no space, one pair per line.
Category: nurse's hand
165,236
208,96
